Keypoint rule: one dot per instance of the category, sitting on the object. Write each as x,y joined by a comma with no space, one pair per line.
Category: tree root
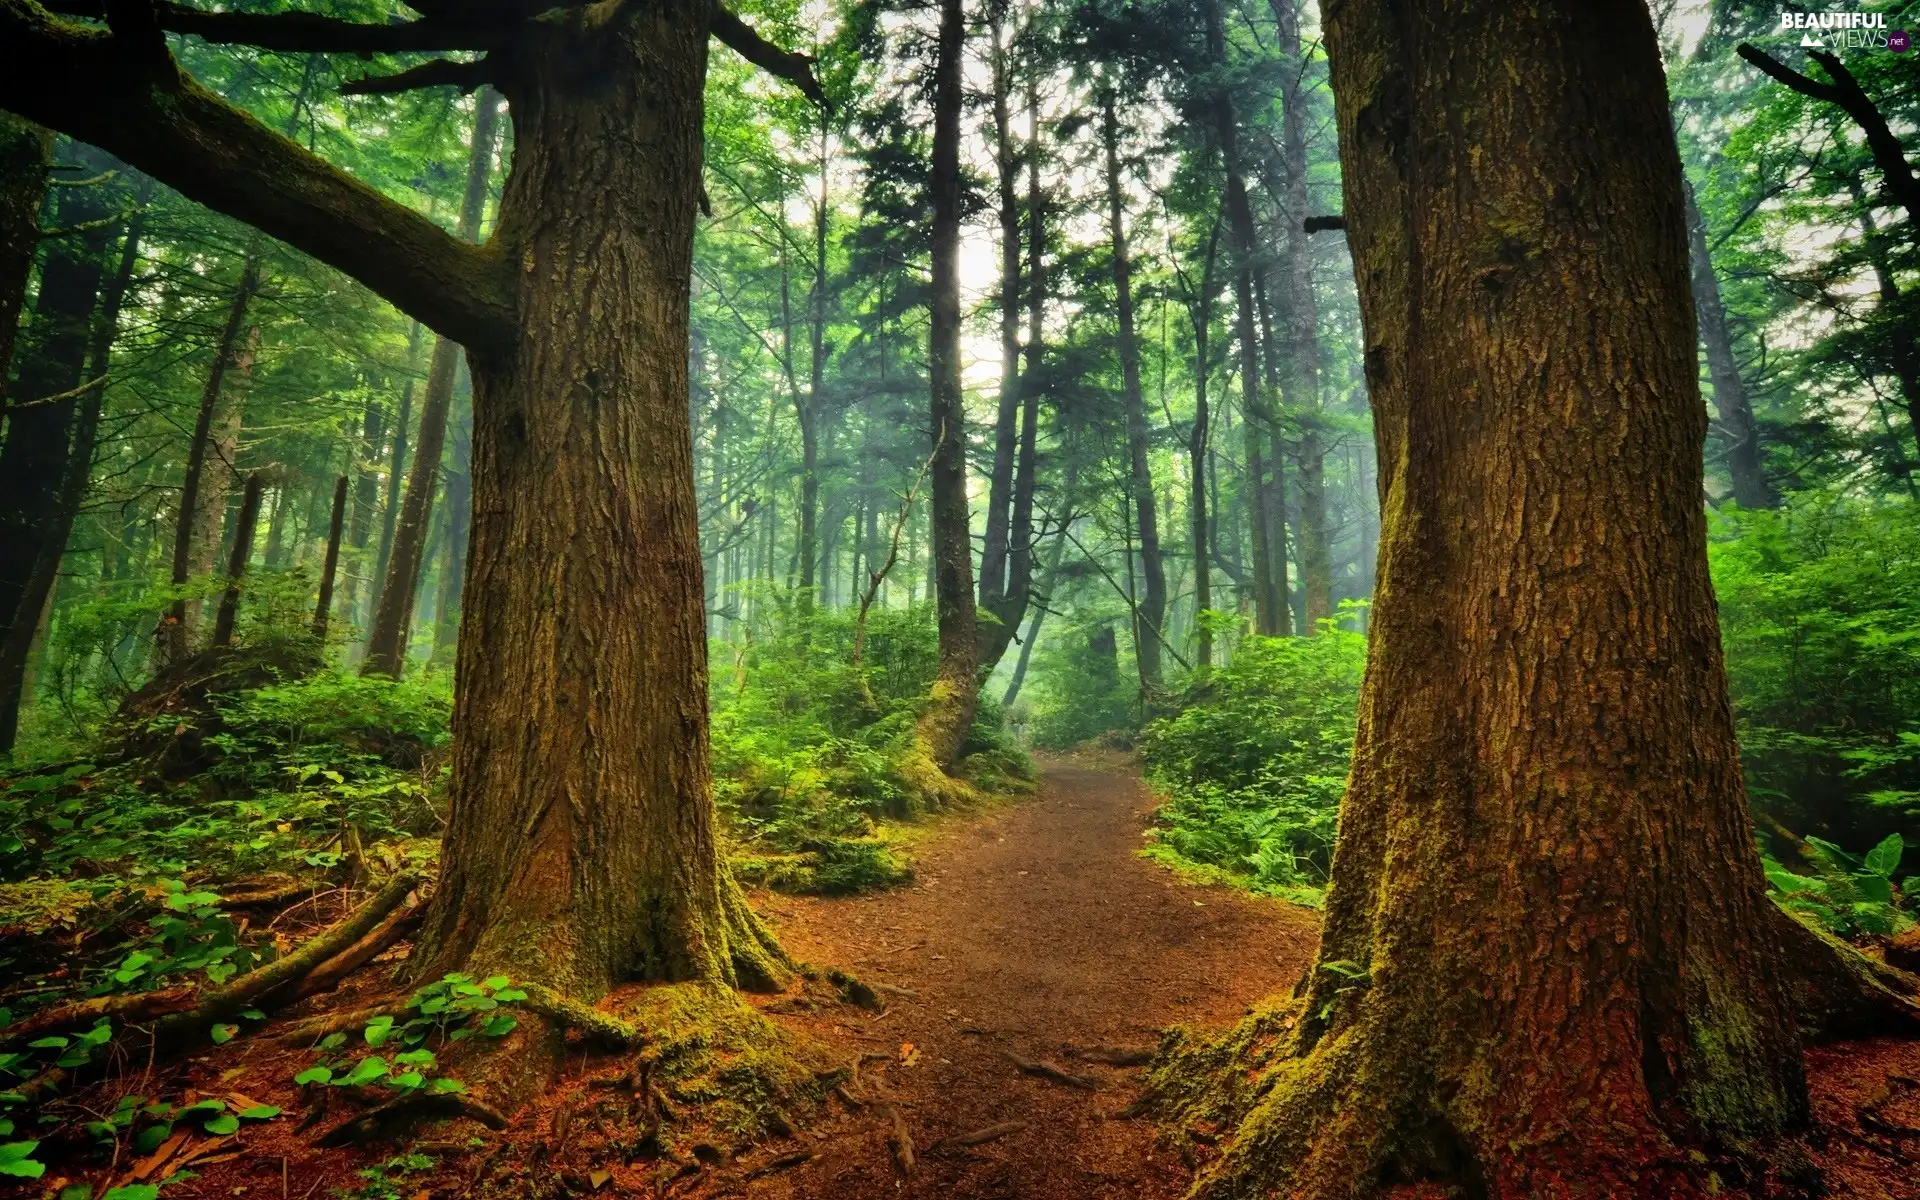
929,788
327,975
899,1140
1046,1070
757,961
980,1137
572,1014
396,1116
851,988
84,1014
302,1033
1839,992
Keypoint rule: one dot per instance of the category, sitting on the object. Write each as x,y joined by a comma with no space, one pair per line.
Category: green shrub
1081,691
1255,762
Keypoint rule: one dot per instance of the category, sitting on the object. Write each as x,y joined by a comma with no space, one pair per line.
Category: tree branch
1845,91
796,69
439,72
307,32
139,106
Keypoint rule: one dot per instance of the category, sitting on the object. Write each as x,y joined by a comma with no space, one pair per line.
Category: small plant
452,1008
1850,896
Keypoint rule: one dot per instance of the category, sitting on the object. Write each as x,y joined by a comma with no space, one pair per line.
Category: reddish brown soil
1034,930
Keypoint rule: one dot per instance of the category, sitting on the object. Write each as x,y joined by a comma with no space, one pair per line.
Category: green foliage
1255,762
1820,616
1852,897
1081,692
450,1009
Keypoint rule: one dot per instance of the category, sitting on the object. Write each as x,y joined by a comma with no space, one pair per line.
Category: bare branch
438,73
796,69
92,85
310,32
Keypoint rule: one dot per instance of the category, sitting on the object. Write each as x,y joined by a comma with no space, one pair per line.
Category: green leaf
1884,859
314,1075
368,1070
133,1191
148,1140
500,1026
1877,889
333,1041
494,983
16,1158
442,1086
223,1124
259,1112
15,1151
408,1081
222,1034
414,1058
56,1042
509,995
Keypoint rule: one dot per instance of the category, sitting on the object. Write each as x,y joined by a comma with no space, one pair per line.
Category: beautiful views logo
1838,30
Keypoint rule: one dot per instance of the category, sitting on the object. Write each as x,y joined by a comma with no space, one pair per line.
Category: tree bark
26,151
399,591
203,488
34,459
1200,312
1549,963
244,526
397,458
1751,487
581,847
16,643
1150,620
943,725
366,498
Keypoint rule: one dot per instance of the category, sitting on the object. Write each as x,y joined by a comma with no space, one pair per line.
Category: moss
828,866
724,1065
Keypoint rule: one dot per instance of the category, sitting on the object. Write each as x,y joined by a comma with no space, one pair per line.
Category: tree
1548,957
581,754
1751,487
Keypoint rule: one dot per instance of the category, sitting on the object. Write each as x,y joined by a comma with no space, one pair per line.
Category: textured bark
1200,313
52,360
17,641
366,499
943,725
581,848
336,530
453,560
400,589
1151,614
1751,487
809,412
397,459
1548,965
25,152
244,526
209,464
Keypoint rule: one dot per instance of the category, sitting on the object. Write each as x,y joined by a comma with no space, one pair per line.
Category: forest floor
1034,931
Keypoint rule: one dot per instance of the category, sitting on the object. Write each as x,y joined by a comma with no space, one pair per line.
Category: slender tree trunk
17,641
399,591
1902,334
397,458
459,493
244,527
1751,487
26,152
1152,613
1275,513
336,529
993,557
1549,964
816,367
198,500
34,460
366,498
1199,534
956,689
581,848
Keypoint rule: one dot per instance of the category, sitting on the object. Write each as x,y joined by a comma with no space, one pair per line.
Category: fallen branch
980,1137
1046,1070
397,1115
85,1014
1116,1057
327,975
258,988
270,897
792,1159
899,1140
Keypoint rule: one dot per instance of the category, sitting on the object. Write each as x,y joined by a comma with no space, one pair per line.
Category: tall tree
26,152
1751,487
1548,961
399,592
581,716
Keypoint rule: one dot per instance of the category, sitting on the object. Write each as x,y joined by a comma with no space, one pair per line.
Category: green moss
828,866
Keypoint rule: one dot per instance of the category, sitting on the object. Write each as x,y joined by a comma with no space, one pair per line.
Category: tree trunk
17,641
244,527
580,848
1751,487
203,488
816,370
1902,335
399,591
956,690
397,459
1548,954
366,498
33,462
1150,619
26,151
453,562
336,530
1201,314
993,557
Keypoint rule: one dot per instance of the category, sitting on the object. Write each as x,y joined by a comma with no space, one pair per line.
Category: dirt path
1033,930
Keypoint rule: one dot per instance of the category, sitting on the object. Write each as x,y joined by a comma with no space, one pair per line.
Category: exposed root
1839,992
596,1025
852,989
397,925
1046,1070
84,1014
929,788
980,1137
395,1117
899,1140
758,962
303,1033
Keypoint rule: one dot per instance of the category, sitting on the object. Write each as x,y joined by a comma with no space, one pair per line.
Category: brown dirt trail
1034,931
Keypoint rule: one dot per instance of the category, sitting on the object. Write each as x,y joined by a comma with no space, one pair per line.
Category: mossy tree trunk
1548,962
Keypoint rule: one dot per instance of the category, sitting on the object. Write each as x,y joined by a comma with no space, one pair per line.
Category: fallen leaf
599,1179
153,1162
909,1054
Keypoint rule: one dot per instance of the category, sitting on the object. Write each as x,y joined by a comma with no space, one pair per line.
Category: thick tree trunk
1751,487
1548,955
34,459
17,641
26,150
399,591
209,465
949,712
1150,617
581,848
